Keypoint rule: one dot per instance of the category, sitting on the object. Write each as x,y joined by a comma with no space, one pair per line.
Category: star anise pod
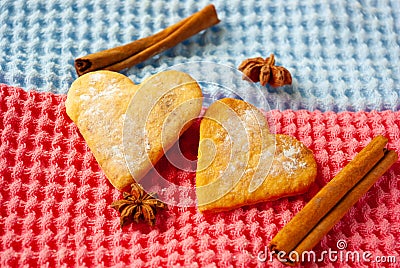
138,205
265,71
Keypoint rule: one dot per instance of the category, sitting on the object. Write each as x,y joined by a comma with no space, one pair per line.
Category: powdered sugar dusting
288,160
291,152
84,97
96,77
102,124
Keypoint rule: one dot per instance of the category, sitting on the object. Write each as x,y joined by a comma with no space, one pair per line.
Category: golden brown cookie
241,163
98,102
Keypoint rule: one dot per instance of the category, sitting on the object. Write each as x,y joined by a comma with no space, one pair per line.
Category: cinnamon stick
332,202
347,202
119,58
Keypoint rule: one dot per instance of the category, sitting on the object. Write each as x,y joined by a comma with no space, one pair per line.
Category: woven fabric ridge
343,55
55,200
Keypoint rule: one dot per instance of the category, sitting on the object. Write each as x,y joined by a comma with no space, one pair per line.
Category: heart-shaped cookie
241,163
159,110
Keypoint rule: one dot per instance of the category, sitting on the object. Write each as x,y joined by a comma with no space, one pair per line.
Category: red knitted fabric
55,200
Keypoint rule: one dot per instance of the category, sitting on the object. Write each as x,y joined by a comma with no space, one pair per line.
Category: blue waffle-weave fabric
343,55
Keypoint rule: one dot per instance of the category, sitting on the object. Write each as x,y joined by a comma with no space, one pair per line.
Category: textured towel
343,55
55,200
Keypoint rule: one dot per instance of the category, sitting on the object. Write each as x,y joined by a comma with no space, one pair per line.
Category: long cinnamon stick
333,216
327,207
119,58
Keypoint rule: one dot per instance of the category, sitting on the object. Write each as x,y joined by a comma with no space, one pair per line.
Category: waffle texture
343,55
55,200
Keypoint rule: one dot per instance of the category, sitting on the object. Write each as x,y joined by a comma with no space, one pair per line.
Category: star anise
265,71
138,205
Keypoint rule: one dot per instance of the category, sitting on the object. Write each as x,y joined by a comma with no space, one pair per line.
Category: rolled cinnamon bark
337,212
119,58
319,215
